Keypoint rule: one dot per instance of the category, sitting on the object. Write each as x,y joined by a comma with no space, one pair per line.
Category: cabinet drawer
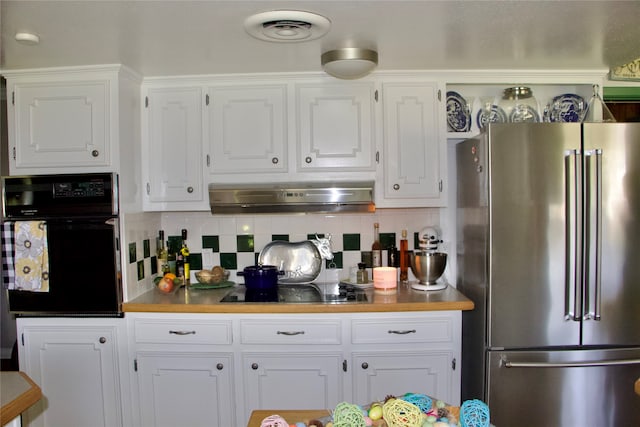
177,331
284,332
414,330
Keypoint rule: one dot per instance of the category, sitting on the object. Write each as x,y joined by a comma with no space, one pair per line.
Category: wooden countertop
208,301
291,416
18,393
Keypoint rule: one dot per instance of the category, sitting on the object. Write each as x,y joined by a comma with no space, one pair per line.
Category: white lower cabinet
76,363
214,369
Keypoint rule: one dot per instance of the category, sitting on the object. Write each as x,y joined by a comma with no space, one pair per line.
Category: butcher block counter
19,392
403,299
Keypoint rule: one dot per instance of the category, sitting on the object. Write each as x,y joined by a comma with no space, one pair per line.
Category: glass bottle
362,276
392,256
376,247
404,257
520,105
184,251
162,255
596,110
180,266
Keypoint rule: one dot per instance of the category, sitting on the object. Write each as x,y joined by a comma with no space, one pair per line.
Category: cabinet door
175,145
292,380
377,374
188,389
247,129
413,156
60,125
336,127
77,370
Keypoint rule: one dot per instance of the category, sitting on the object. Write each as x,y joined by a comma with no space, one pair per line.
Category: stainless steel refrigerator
548,229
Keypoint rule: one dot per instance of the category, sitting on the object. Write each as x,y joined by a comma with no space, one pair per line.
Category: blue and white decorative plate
524,114
497,115
458,118
566,108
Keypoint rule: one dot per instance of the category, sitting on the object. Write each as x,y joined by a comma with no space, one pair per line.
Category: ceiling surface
162,38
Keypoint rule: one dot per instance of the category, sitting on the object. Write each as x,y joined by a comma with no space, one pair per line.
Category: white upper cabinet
68,120
414,151
247,127
335,127
172,141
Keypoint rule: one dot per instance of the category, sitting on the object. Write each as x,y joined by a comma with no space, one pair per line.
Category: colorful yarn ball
422,401
274,421
400,413
474,413
348,415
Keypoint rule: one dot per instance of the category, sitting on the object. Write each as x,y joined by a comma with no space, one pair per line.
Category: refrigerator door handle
573,235
507,364
593,235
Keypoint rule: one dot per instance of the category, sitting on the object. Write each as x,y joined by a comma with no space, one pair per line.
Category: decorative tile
245,243
351,242
367,258
387,239
132,253
175,243
280,237
146,248
229,261
211,242
336,262
315,236
154,265
416,241
195,261
140,270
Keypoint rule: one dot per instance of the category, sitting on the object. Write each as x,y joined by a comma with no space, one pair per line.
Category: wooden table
292,416
18,393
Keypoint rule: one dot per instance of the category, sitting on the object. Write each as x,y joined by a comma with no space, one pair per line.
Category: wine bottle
184,251
376,247
162,255
404,257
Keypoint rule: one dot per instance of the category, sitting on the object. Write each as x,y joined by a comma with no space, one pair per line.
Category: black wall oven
81,215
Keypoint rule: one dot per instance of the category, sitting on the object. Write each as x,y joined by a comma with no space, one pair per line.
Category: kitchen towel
8,271
31,256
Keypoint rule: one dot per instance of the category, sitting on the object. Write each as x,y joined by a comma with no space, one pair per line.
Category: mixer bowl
428,266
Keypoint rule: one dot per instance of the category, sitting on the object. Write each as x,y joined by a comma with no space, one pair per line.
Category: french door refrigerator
548,229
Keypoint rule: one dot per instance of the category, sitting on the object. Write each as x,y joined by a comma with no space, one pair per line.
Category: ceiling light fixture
27,38
349,62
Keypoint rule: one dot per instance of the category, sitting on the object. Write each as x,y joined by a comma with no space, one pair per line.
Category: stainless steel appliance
324,293
549,250
81,214
292,197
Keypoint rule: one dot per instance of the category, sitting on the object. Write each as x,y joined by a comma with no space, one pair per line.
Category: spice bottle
404,257
363,275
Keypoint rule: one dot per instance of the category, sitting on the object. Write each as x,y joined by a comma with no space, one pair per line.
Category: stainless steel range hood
292,197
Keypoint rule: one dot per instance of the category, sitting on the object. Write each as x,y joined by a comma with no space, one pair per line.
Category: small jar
519,105
363,275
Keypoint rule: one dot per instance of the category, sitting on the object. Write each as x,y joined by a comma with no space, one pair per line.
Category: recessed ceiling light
27,38
287,26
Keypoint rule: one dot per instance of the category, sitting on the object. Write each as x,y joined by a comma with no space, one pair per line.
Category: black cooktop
318,293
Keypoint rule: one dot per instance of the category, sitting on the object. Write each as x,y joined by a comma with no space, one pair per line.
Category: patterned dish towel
8,270
31,256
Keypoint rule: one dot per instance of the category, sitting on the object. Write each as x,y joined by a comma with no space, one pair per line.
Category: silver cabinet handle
182,332
189,189
396,187
275,160
404,332
254,366
290,333
508,364
365,365
95,153
102,340
308,159
219,366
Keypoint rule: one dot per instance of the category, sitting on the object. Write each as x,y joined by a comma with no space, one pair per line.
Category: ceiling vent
287,26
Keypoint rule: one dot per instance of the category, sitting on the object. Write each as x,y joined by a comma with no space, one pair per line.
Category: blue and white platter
566,108
524,114
458,118
497,115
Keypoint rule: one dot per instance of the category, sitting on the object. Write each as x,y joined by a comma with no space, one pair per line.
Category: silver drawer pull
183,332
290,333
405,332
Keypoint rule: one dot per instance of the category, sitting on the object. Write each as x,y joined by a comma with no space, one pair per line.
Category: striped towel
8,271
31,256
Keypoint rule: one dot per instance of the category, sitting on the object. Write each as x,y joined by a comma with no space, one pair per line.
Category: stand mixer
428,264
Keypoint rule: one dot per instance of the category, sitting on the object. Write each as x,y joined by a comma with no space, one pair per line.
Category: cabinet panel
189,389
292,380
335,125
395,331
76,367
179,331
287,332
175,145
247,129
413,156
377,374
61,124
